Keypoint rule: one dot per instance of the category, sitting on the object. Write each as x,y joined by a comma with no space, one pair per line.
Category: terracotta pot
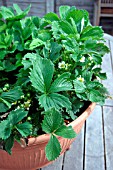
33,156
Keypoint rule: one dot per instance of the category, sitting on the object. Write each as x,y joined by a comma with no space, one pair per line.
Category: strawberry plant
50,68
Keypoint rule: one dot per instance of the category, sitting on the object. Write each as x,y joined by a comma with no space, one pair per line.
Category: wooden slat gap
84,145
63,160
104,137
111,53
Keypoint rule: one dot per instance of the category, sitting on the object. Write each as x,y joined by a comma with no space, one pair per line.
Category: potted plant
49,75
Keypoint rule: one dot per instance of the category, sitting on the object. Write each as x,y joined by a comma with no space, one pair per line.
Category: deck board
57,165
94,148
74,157
111,48
108,131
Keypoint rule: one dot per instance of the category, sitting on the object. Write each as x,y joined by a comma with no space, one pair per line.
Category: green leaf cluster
54,125
9,97
12,125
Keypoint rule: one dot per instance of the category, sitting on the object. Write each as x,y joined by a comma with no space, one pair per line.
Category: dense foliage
49,67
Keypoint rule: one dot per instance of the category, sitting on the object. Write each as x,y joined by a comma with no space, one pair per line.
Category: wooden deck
93,148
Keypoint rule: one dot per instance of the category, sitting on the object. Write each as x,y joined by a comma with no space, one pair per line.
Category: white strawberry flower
81,79
82,60
61,64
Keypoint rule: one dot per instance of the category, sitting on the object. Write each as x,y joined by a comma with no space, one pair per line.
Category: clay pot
32,157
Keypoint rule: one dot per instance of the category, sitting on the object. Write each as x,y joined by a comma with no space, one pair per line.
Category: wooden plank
107,5
57,165
107,68
94,146
73,2
111,48
108,129
3,2
106,15
49,6
25,5
74,157
26,1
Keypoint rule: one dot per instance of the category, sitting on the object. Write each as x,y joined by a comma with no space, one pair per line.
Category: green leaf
44,35
97,59
87,76
79,20
9,144
8,65
79,86
95,33
102,76
74,24
52,120
3,27
5,102
63,10
71,45
41,74
96,70
3,106
66,132
17,8
62,83
72,114
35,43
55,29
2,54
93,84
5,130
104,92
55,51
77,104
53,148
7,125
16,116
82,96
12,95
26,33
24,129
7,98
100,49
95,96
18,40
55,100
19,15
6,12
66,27
51,17
28,60
36,21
